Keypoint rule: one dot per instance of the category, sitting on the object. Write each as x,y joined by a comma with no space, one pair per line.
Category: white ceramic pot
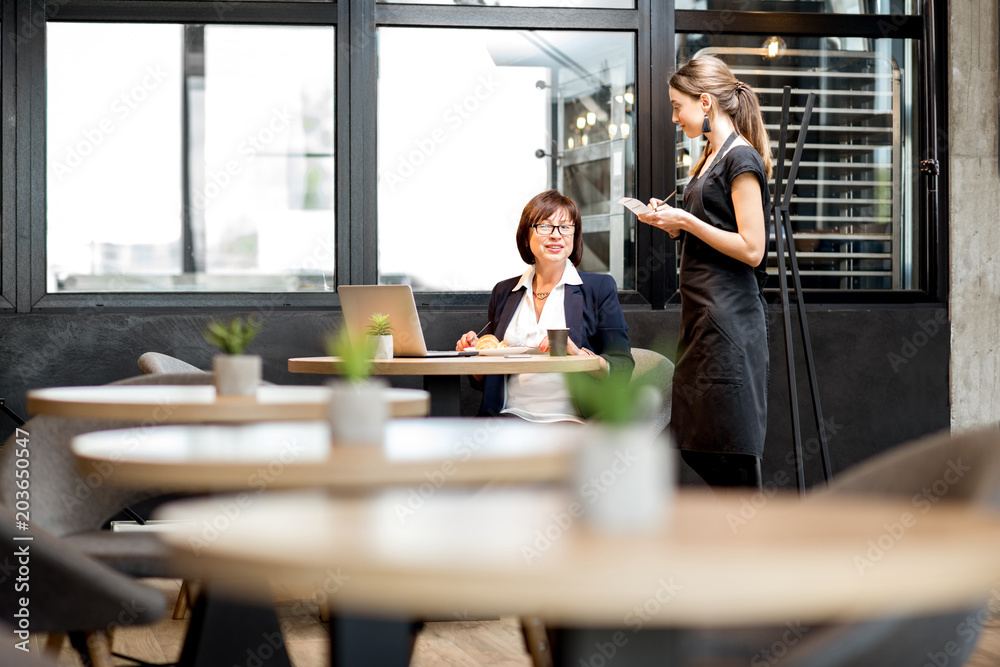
382,347
236,374
357,412
624,478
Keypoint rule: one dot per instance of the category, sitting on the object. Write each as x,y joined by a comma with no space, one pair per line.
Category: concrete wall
975,214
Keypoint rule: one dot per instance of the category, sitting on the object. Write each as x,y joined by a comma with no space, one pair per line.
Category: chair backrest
960,467
655,369
70,591
156,362
65,500
964,468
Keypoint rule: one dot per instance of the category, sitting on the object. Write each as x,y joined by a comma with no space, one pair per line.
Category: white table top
535,363
199,403
716,562
300,454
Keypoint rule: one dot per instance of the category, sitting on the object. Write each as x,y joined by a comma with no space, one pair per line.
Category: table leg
368,642
621,647
224,632
445,391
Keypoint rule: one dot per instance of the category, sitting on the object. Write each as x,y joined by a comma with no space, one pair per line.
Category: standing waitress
719,411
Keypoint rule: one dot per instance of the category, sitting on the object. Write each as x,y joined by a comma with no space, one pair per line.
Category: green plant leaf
355,359
234,337
616,399
379,325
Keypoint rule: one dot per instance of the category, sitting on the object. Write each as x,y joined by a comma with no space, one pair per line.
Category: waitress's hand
665,217
468,339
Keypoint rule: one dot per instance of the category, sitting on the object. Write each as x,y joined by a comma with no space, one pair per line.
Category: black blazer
594,319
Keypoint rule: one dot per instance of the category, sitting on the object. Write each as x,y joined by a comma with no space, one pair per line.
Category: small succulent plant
379,325
232,338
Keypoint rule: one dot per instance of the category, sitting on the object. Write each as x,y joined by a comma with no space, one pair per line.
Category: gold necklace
541,295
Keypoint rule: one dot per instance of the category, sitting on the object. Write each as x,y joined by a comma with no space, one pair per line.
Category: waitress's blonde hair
708,74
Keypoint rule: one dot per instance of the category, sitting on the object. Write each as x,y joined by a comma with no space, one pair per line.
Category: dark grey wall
882,371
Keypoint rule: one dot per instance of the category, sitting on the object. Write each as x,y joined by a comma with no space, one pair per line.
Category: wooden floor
459,643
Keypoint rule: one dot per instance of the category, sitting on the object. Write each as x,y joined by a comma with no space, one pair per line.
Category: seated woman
551,294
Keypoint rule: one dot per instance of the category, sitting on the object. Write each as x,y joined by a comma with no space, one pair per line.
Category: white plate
501,351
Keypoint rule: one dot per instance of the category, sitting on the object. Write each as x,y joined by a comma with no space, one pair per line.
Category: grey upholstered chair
655,369
156,362
964,468
73,505
72,593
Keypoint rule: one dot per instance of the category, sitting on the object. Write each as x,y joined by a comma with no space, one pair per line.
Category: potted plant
236,373
358,409
624,472
380,331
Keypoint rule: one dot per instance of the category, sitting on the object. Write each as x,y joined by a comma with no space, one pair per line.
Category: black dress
721,376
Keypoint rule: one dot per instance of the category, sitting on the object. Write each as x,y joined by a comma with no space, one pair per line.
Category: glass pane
473,123
190,158
816,6
565,4
853,208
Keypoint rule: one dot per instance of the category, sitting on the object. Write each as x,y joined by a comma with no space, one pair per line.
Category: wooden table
163,404
524,553
254,457
443,375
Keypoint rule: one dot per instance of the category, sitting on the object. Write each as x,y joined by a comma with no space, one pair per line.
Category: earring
706,127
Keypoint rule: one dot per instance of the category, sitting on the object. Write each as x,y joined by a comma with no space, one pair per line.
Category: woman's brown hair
708,74
541,207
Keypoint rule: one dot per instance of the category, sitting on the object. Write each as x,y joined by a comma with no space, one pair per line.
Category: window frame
10,139
23,240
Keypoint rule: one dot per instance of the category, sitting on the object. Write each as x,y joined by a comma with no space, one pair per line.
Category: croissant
488,342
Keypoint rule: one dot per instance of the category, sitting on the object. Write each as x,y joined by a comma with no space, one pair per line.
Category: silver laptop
396,301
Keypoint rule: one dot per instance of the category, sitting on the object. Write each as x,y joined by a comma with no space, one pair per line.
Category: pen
484,328
666,200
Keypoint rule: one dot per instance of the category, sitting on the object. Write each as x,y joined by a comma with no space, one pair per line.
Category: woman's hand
468,339
666,217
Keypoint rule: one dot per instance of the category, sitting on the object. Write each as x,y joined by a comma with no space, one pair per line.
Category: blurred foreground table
716,562
438,452
443,375
163,404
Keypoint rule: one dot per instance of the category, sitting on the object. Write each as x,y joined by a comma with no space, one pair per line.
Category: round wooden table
426,454
715,562
442,376
165,404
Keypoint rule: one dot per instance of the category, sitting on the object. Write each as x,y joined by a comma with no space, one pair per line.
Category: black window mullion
799,24
655,273
364,121
183,11
528,18
30,154
342,142
935,148
8,166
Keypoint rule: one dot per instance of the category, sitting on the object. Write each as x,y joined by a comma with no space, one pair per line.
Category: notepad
635,205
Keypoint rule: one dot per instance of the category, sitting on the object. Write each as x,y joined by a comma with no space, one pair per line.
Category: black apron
721,376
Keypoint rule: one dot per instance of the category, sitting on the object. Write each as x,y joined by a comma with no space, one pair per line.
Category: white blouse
539,397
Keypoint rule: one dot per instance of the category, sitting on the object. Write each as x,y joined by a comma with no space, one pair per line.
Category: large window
190,158
195,157
473,123
852,209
